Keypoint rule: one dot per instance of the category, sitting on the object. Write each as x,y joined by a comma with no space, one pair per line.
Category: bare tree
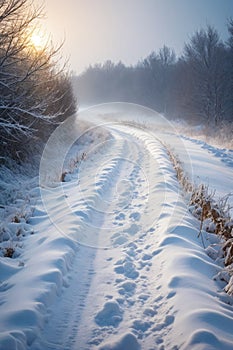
31,86
205,59
159,67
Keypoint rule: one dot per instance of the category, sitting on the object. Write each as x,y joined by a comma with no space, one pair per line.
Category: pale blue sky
128,30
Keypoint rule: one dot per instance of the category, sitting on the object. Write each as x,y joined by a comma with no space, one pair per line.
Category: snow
209,165
114,261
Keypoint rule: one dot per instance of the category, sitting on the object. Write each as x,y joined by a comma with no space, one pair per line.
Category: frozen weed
214,216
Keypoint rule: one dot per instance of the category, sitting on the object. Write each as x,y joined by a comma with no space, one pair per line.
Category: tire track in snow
65,314
122,311
125,194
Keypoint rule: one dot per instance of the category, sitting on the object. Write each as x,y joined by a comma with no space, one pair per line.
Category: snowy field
115,261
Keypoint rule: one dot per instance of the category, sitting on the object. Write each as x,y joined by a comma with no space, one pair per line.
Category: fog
128,30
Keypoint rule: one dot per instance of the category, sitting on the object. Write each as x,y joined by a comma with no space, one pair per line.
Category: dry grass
9,252
73,164
214,216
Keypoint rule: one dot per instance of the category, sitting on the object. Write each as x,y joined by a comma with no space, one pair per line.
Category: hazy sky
128,30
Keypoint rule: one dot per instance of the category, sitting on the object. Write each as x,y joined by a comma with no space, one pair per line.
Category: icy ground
115,262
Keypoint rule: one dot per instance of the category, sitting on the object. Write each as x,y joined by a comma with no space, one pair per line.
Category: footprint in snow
128,269
117,223
152,229
131,249
141,327
143,297
131,252
147,246
169,319
127,288
120,216
143,264
133,229
110,315
132,245
146,257
149,312
138,205
120,240
135,216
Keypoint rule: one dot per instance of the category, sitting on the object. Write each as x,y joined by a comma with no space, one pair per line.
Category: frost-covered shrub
35,93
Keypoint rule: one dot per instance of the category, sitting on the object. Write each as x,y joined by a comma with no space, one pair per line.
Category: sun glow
37,41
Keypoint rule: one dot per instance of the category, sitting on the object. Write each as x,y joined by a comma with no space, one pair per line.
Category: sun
37,41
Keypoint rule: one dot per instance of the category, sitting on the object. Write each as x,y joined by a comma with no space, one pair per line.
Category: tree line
197,86
35,90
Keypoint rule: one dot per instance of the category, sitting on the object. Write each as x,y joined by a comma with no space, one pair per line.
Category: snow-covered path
112,276
138,278
115,262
